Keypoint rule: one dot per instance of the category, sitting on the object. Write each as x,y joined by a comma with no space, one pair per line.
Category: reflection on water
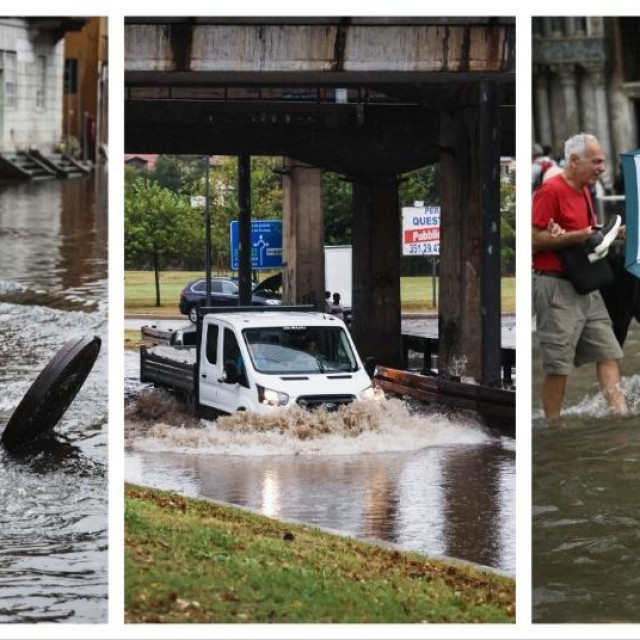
586,475
455,500
53,504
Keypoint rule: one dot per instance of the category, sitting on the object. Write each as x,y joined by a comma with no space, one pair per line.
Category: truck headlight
272,398
272,301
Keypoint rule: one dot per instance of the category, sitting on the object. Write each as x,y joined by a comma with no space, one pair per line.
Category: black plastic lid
52,392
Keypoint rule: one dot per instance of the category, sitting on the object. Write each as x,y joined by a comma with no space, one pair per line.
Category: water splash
70,300
369,426
594,405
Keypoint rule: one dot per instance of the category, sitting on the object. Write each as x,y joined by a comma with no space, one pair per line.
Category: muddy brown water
586,480
441,484
53,504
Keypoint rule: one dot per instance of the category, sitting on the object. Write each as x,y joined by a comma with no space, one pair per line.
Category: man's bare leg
610,382
553,389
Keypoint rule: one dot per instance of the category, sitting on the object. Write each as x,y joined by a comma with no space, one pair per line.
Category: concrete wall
319,48
25,125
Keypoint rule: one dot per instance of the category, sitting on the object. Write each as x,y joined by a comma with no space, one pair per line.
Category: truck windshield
300,350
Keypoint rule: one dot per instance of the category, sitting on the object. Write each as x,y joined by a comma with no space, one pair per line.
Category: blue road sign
266,244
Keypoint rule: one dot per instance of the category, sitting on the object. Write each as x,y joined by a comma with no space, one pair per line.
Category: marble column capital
595,71
566,73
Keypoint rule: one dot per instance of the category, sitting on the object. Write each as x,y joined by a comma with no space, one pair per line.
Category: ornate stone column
587,102
621,108
567,75
597,76
570,26
543,119
559,122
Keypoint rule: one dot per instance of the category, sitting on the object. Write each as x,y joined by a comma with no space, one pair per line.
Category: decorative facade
586,77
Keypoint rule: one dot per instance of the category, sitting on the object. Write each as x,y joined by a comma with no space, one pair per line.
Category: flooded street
585,497
53,505
439,484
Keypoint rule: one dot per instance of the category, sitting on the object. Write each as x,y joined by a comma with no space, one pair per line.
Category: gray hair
577,144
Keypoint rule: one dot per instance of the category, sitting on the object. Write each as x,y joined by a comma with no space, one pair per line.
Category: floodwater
53,504
586,523
443,485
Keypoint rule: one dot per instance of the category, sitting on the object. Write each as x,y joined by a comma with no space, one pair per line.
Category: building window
71,75
8,63
41,82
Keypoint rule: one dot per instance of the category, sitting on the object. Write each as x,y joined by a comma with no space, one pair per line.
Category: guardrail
499,405
428,347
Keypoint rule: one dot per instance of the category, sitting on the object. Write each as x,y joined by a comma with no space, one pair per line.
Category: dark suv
225,293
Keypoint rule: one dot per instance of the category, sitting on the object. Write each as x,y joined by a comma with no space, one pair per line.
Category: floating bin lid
52,392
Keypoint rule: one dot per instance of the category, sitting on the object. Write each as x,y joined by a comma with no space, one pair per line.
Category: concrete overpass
370,98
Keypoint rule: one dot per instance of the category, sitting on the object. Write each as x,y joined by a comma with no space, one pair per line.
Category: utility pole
207,230
244,228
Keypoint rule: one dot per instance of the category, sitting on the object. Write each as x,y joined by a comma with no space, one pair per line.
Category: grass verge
193,561
416,292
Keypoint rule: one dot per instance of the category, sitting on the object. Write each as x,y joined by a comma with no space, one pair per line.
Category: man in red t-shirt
572,328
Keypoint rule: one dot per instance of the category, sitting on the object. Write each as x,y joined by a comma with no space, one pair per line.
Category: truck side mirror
230,374
370,366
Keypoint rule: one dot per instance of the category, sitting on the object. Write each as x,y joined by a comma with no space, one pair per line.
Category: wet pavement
53,503
586,473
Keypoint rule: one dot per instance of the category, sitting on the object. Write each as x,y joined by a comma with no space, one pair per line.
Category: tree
266,198
158,225
421,185
337,199
508,225
179,173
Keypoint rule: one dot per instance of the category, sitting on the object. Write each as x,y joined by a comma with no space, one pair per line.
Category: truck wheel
193,313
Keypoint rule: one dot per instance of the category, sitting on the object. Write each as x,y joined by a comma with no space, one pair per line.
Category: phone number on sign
424,249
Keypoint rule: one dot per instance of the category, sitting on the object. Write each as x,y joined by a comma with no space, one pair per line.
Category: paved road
428,327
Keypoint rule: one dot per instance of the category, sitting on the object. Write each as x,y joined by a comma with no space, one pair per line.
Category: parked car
225,292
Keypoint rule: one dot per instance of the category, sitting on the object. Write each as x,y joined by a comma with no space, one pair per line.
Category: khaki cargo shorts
573,329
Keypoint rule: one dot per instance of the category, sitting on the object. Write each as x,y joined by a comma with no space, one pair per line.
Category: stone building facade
586,77
31,81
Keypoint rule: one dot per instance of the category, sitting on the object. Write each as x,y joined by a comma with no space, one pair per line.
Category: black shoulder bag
585,276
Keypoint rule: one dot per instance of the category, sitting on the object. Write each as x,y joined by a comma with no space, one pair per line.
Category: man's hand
622,232
553,237
555,229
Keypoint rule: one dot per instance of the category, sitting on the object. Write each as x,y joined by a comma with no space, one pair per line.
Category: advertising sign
421,231
266,244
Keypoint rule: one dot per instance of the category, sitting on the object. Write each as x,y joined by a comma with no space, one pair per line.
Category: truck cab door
233,394
210,365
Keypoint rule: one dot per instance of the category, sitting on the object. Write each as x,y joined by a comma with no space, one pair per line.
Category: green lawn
193,561
415,292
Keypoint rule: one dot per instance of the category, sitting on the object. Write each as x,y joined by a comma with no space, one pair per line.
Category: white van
259,360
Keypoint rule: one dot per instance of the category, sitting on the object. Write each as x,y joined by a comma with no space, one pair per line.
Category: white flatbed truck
258,360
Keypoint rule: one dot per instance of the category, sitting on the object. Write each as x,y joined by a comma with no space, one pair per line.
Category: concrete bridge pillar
376,270
469,313
302,235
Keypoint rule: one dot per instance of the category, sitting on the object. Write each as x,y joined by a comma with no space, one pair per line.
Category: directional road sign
266,244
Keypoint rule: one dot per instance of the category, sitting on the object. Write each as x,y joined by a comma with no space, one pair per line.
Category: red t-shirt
571,209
